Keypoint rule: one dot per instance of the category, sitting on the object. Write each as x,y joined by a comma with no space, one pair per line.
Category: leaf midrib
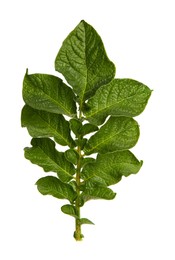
86,76
54,161
53,129
54,101
107,139
110,106
118,164
62,192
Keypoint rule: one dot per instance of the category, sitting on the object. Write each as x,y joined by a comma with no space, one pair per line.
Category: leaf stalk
77,234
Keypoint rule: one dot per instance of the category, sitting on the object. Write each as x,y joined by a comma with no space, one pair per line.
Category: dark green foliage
95,103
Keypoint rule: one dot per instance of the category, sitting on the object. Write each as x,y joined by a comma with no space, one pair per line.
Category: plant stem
78,235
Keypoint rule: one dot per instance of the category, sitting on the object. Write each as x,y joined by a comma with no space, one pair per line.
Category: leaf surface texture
83,61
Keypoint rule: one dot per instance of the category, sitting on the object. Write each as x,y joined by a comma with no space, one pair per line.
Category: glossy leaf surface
48,93
44,124
44,154
124,97
69,210
83,61
97,192
53,186
112,166
118,133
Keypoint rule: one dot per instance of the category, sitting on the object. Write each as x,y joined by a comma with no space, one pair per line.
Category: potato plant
91,114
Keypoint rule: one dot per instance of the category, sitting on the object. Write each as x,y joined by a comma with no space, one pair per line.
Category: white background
139,223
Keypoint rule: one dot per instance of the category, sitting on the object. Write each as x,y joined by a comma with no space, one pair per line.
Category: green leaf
118,133
69,210
44,154
71,155
86,160
111,167
79,129
53,186
73,184
44,124
81,142
48,93
124,97
88,128
94,191
85,221
75,126
83,61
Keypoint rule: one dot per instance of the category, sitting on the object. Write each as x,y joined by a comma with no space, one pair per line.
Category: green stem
78,235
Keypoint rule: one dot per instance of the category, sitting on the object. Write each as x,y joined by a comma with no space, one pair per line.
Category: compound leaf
53,186
111,167
44,154
48,93
83,61
96,103
118,133
44,124
126,97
